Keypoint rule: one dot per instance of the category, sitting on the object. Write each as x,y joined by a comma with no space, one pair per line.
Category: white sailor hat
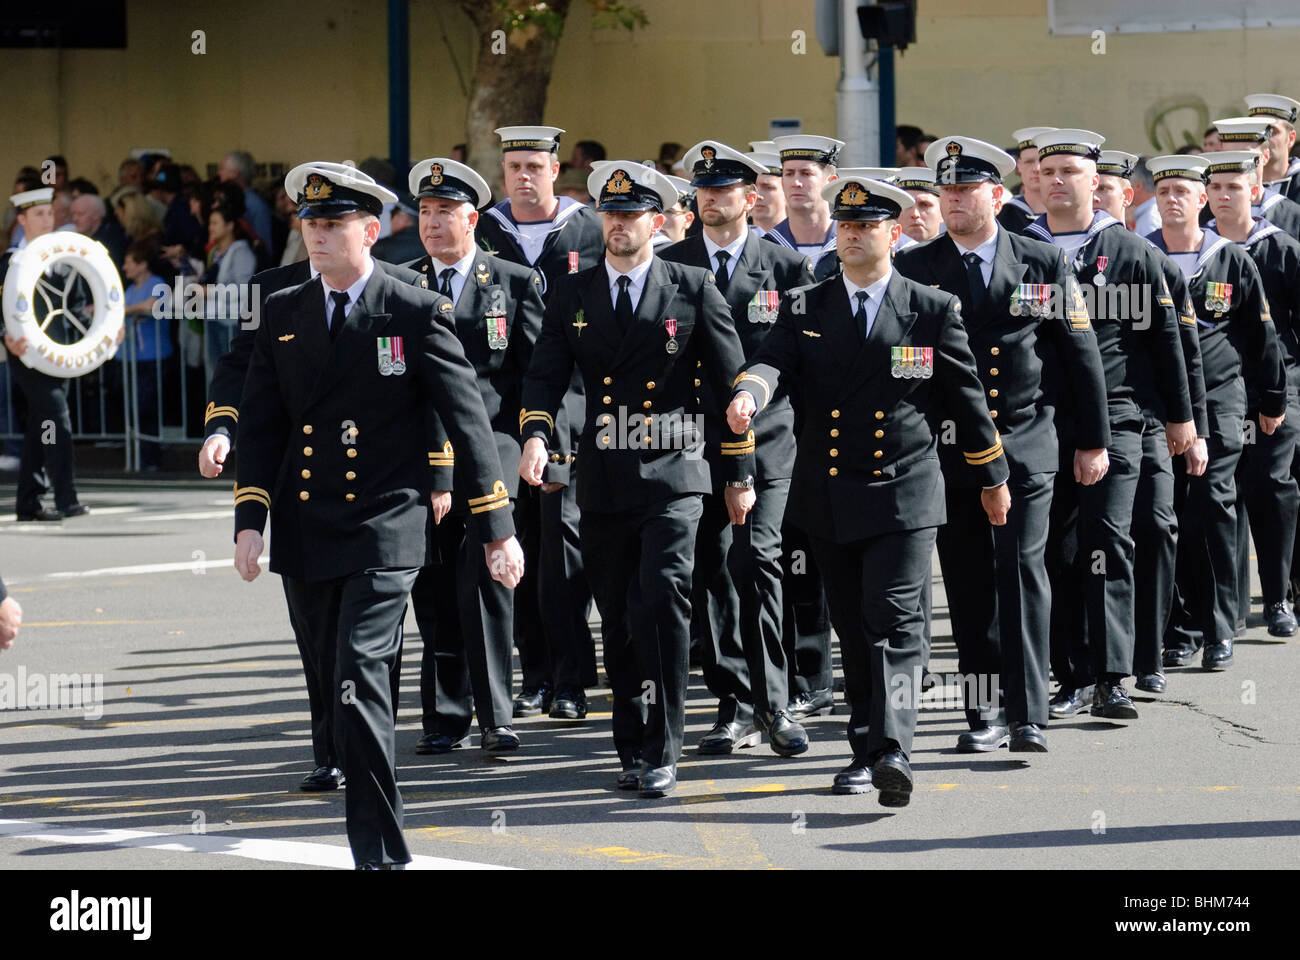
685,189
324,189
529,138
1242,129
445,178
862,198
1231,161
1273,105
967,160
714,164
1024,137
763,146
917,178
1117,163
771,160
32,198
626,185
1181,165
806,146
871,173
1071,140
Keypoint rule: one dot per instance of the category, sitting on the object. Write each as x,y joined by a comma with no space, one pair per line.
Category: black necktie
860,314
445,287
623,305
720,275
340,298
975,278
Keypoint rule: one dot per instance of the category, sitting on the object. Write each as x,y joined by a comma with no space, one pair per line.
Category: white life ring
98,342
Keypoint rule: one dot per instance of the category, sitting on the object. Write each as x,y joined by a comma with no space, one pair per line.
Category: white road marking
275,851
187,565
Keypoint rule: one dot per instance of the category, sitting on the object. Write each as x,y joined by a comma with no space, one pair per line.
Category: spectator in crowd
11,618
60,172
81,185
63,210
585,153
237,167
1143,216
130,173
179,225
190,178
231,260
1192,150
1210,142
90,217
573,183
150,341
458,153
294,248
909,150
136,216
669,154
403,244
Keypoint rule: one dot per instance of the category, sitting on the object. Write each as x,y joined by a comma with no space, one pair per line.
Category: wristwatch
746,484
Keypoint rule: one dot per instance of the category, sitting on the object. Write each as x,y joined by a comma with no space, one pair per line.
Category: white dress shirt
353,292
875,295
635,288
986,251
734,249
458,279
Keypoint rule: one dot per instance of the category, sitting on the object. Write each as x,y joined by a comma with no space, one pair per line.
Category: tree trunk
510,78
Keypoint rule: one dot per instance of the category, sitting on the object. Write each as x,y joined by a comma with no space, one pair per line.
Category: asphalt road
191,755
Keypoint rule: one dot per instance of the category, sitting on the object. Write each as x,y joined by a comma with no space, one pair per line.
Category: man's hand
248,547
1269,424
1180,436
533,461
212,455
996,502
1090,465
11,618
1197,458
16,345
440,500
739,502
741,412
505,560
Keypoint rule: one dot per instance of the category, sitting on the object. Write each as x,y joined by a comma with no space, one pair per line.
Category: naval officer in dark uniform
1031,361
558,236
738,568
880,361
346,371
640,330
466,617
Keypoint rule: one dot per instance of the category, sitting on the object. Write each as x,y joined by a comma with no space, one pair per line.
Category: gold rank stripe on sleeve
739,447
444,458
528,416
215,411
747,377
499,497
252,494
982,457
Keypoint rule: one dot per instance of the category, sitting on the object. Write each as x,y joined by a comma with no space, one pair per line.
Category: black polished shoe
439,743
322,779
892,776
569,705
1111,700
787,738
381,866
656,781
1217,656
725,737
1151,682
41,515
855,778
811,703
1067,703
76,510
532,701
983,741
1181,655
1281,620
1027,738
498,739
630,777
